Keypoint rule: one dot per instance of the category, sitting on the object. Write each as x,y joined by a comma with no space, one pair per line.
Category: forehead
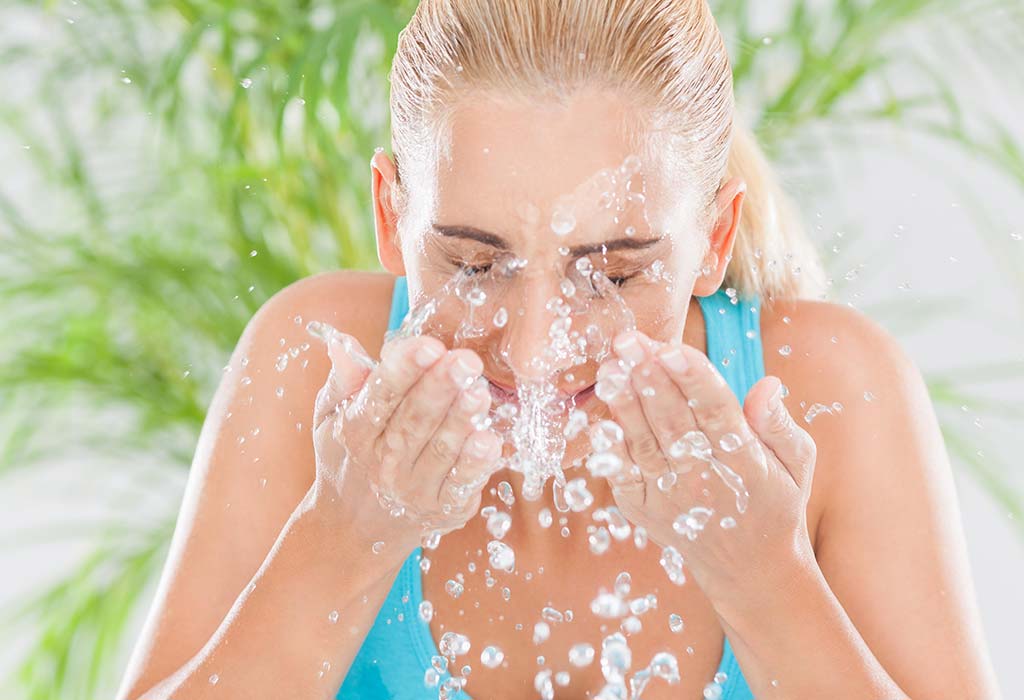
506,154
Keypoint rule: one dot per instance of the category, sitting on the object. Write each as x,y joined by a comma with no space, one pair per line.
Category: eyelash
481,269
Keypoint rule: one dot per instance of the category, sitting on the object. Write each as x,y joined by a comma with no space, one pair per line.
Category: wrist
770,590
357,529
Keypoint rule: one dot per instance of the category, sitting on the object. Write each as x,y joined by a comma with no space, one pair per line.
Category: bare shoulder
355,302
844,371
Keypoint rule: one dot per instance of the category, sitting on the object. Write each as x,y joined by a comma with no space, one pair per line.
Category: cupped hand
722,487
397,450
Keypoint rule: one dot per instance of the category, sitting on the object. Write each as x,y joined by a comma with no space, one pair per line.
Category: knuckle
443,448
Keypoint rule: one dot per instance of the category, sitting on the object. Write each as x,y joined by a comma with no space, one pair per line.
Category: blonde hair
667,56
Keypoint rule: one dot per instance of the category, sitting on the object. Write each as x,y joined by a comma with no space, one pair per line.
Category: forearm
794,640
281,637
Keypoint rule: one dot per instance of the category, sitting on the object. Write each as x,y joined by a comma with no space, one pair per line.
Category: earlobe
722,237
383,179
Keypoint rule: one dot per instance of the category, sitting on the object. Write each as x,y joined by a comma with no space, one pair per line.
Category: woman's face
534,198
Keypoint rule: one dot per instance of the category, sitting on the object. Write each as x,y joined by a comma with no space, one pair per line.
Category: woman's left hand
725,486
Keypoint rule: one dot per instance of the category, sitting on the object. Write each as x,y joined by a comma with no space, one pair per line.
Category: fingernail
479,445
672,356
628,348
465,370
471,398
427,355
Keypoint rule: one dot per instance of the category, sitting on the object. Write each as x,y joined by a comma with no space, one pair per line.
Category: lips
503,394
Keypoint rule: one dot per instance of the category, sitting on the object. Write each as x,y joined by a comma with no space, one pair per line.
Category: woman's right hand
400,437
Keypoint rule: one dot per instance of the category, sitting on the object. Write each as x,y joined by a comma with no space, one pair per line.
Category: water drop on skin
492,656
581,655
332,617
214,679
675,623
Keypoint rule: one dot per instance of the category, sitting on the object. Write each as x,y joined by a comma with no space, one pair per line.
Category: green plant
195,157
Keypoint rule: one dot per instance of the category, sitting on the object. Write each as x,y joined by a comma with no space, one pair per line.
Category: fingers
615,465
421,412
441,450
792,445
402,364
715,409
641,444
346,376
462,484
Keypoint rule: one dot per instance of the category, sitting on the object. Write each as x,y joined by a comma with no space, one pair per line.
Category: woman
818,557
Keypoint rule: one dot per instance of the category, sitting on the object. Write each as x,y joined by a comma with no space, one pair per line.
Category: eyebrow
496,241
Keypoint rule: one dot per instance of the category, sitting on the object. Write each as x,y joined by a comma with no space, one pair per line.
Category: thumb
767,414
350,365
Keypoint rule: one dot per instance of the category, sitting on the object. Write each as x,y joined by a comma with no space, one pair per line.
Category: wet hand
726,486
400,434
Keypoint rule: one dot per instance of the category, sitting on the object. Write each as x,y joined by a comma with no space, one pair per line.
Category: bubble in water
563,219
542,684
453,644
608,605
599,541
577,496
616,658
692,522
665,666
505,493
576,423
730,442
712,691
541,632
672,562
492,656
544,518
501,555
604,464
675,623
476,297
605,435
581,654
499,524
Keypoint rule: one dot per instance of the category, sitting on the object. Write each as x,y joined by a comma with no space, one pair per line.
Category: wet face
535,196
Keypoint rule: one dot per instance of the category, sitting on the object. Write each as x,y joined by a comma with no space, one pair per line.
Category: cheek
660,312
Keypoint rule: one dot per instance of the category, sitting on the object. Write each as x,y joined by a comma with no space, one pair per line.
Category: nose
537,315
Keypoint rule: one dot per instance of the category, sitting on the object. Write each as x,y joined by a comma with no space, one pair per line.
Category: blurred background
167,165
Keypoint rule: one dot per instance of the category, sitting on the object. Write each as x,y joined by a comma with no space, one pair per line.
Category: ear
383,181
729,204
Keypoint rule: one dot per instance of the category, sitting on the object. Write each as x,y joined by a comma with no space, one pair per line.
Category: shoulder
851,386
356,302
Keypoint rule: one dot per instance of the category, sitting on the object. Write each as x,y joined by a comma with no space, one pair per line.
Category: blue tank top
397,650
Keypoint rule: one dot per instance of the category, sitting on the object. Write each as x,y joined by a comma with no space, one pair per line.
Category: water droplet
492,656
730,442
246,83
501,555
727,523
672,562
332,617
426,611
453,644
785,350
541,632
675,623
545,518
599,541
551,614
214,678
500,317
581,655
453,588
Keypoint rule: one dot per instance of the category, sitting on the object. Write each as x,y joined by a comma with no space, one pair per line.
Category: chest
543,617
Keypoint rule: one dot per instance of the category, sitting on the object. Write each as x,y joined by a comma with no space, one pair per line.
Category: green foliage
187,159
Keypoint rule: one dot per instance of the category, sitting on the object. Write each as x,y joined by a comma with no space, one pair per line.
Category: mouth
501,394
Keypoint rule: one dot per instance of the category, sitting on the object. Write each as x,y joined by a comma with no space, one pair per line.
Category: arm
294,631
887,610
240,495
